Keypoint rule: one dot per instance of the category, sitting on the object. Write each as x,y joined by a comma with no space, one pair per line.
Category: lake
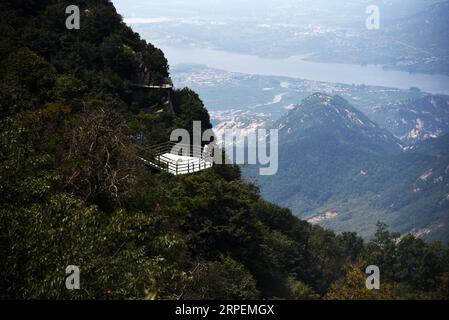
296,67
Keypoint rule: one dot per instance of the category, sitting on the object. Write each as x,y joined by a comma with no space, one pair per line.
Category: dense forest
73,190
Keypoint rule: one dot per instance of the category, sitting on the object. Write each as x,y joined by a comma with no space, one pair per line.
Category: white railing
157,156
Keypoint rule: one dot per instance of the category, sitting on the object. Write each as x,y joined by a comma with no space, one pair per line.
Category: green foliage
352,286
25,81
189,107
221,279
300,291
109,250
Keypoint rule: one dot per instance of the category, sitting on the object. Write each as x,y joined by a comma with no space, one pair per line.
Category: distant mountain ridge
430,23
415,120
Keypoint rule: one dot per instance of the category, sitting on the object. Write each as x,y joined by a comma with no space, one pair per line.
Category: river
297,67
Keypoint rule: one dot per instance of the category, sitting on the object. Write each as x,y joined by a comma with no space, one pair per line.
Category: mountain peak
332,115
323,97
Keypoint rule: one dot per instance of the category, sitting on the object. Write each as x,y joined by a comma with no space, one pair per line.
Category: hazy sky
334,10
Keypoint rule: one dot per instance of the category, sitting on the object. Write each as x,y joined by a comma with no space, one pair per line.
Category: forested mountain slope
74,192
339,168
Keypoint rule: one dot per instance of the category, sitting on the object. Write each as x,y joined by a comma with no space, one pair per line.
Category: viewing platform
166,84
178,159
153,86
